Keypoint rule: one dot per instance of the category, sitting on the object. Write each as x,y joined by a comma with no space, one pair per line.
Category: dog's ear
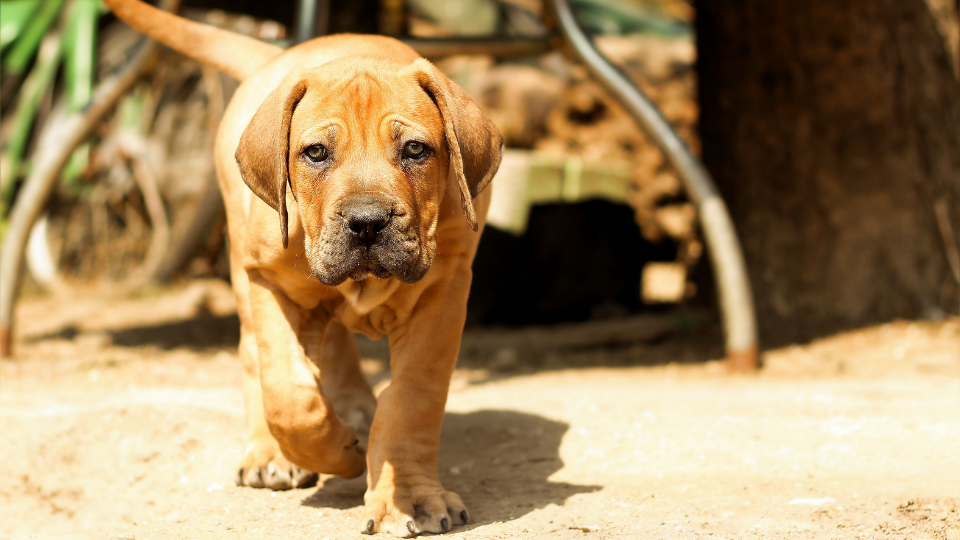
263,152
475,144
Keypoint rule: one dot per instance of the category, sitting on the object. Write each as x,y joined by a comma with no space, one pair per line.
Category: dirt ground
122,419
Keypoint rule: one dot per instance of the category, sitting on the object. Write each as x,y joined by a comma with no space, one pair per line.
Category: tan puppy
368,165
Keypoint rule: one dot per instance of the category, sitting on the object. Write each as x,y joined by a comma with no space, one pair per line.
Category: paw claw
463,516
265,469
369,528
251,477
304,479
403,514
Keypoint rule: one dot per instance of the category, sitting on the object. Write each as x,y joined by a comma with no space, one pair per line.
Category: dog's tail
234,54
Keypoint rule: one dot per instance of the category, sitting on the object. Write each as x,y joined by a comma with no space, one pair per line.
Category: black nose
366,219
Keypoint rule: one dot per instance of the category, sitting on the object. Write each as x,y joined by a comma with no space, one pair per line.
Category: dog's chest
368,306
363,296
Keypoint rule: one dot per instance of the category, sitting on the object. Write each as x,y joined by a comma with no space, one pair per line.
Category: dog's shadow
498,461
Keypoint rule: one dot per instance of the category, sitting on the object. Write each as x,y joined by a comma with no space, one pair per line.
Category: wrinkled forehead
364,93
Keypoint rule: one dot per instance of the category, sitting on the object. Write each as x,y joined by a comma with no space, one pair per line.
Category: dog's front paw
408,511
263,466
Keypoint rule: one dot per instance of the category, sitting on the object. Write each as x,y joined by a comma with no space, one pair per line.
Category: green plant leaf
14,18
29,39
79,51
37,83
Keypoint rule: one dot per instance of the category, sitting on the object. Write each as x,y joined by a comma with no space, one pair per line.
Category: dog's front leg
404,495
299,416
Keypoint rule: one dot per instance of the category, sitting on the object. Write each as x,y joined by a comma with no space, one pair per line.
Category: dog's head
369,148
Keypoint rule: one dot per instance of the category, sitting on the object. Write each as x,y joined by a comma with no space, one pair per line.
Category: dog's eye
414,149
316,153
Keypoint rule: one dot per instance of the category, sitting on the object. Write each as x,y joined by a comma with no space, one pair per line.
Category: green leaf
29,39
13,19
37,83
79,52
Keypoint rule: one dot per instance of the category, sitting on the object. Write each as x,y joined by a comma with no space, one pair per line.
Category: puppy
353,174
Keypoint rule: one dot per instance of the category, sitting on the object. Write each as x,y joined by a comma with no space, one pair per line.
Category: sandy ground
122,419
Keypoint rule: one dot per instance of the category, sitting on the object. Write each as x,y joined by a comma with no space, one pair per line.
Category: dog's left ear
262,154
475,144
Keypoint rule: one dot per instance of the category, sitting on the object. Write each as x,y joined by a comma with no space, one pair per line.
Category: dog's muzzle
373,236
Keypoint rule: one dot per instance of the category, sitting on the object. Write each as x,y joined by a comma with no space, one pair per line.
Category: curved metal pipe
499,47
736,299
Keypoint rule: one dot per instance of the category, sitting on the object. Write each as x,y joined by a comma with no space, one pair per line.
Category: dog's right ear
263,152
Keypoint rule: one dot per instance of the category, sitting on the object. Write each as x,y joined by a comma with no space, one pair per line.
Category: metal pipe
498,47
306,23
736,299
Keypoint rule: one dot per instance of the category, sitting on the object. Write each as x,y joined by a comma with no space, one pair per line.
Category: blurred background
832,131
591,398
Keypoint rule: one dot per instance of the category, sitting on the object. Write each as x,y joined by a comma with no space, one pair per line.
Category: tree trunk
833,131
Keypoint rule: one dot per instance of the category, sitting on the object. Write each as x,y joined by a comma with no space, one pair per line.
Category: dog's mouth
337,258
369,268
